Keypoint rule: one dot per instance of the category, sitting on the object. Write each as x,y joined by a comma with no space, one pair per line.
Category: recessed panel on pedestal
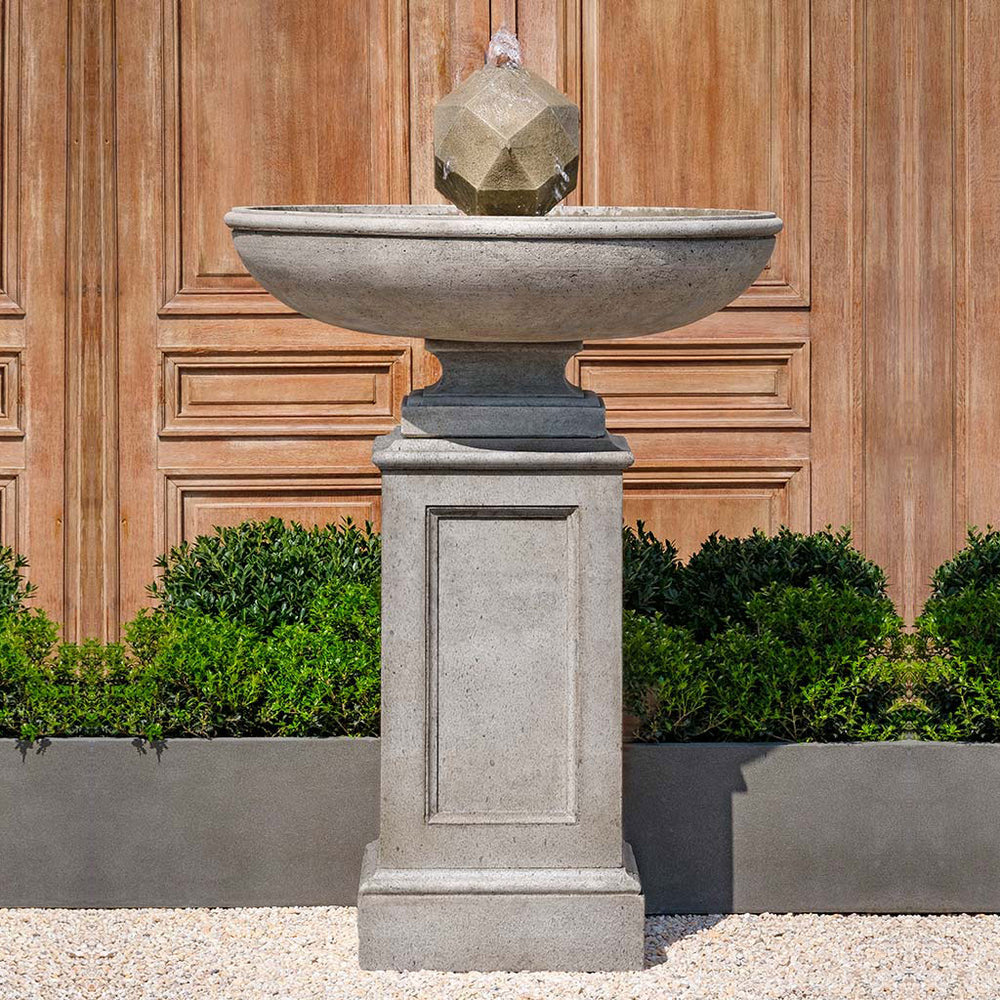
502,664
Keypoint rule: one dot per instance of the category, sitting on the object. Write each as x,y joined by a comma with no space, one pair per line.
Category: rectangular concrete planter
247,822
842,828
882,827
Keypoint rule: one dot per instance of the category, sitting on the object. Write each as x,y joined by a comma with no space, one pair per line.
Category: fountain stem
503,390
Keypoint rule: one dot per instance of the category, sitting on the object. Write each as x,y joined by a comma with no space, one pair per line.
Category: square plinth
464,920
500,836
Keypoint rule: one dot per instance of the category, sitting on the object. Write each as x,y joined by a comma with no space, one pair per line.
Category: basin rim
446,222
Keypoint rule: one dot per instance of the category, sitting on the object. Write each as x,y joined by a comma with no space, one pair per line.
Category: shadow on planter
679,820
904,827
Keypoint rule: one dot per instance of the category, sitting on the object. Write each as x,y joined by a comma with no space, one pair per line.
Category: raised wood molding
9,527
837,308
187,290
197,500
700,385
283,394
10,157
977,264
732,497
10,395
909,291
785,282
90,437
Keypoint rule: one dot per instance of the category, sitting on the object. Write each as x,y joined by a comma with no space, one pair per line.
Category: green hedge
711,591
268,629
960,632
261,630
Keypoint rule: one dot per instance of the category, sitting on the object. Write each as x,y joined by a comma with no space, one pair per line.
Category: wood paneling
856,383
702,103
10,154
231,397
686,503
91,387
271,102
35,239
239,408
279,395
977,259
195,503
8,510
699,385
836,314
909,293
10,395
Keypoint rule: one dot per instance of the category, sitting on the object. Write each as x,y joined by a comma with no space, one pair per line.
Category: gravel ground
310,952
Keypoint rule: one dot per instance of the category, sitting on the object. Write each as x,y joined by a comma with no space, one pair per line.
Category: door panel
33,236
267,101
241,408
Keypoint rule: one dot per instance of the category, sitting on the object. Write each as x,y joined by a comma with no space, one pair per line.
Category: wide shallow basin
575,274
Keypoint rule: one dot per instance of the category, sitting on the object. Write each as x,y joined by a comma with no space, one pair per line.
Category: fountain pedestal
500,842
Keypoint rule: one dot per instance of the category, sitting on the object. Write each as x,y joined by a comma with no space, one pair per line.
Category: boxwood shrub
265,574
710,592
263,629
783,637
960,630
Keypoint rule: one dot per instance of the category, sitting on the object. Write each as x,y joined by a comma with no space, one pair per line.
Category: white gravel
244,954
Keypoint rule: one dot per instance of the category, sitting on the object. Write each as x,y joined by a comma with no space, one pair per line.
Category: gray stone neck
494,371
503,390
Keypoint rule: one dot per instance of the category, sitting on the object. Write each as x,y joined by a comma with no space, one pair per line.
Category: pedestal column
500,841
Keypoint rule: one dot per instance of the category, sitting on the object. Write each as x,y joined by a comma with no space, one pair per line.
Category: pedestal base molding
463,920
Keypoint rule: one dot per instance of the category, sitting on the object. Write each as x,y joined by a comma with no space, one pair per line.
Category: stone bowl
575,274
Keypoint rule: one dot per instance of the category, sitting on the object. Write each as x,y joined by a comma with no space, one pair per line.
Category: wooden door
34,320
233,407
853,384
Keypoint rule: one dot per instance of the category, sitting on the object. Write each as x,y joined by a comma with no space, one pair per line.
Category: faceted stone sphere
506,142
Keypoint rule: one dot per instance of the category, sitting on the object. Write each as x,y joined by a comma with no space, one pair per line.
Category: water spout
504,49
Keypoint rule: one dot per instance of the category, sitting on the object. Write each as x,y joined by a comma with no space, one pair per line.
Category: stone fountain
500,840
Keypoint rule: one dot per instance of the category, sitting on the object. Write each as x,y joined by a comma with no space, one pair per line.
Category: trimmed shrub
199,675
203,675
323,677
15,590
960,632
976,566
710,593
264,574
652,572
802,664
274,630
27,642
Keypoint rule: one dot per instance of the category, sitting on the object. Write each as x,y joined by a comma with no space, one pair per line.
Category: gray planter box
248,822
841,828
716,828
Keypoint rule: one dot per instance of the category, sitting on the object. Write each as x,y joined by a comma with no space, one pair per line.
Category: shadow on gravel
664,931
